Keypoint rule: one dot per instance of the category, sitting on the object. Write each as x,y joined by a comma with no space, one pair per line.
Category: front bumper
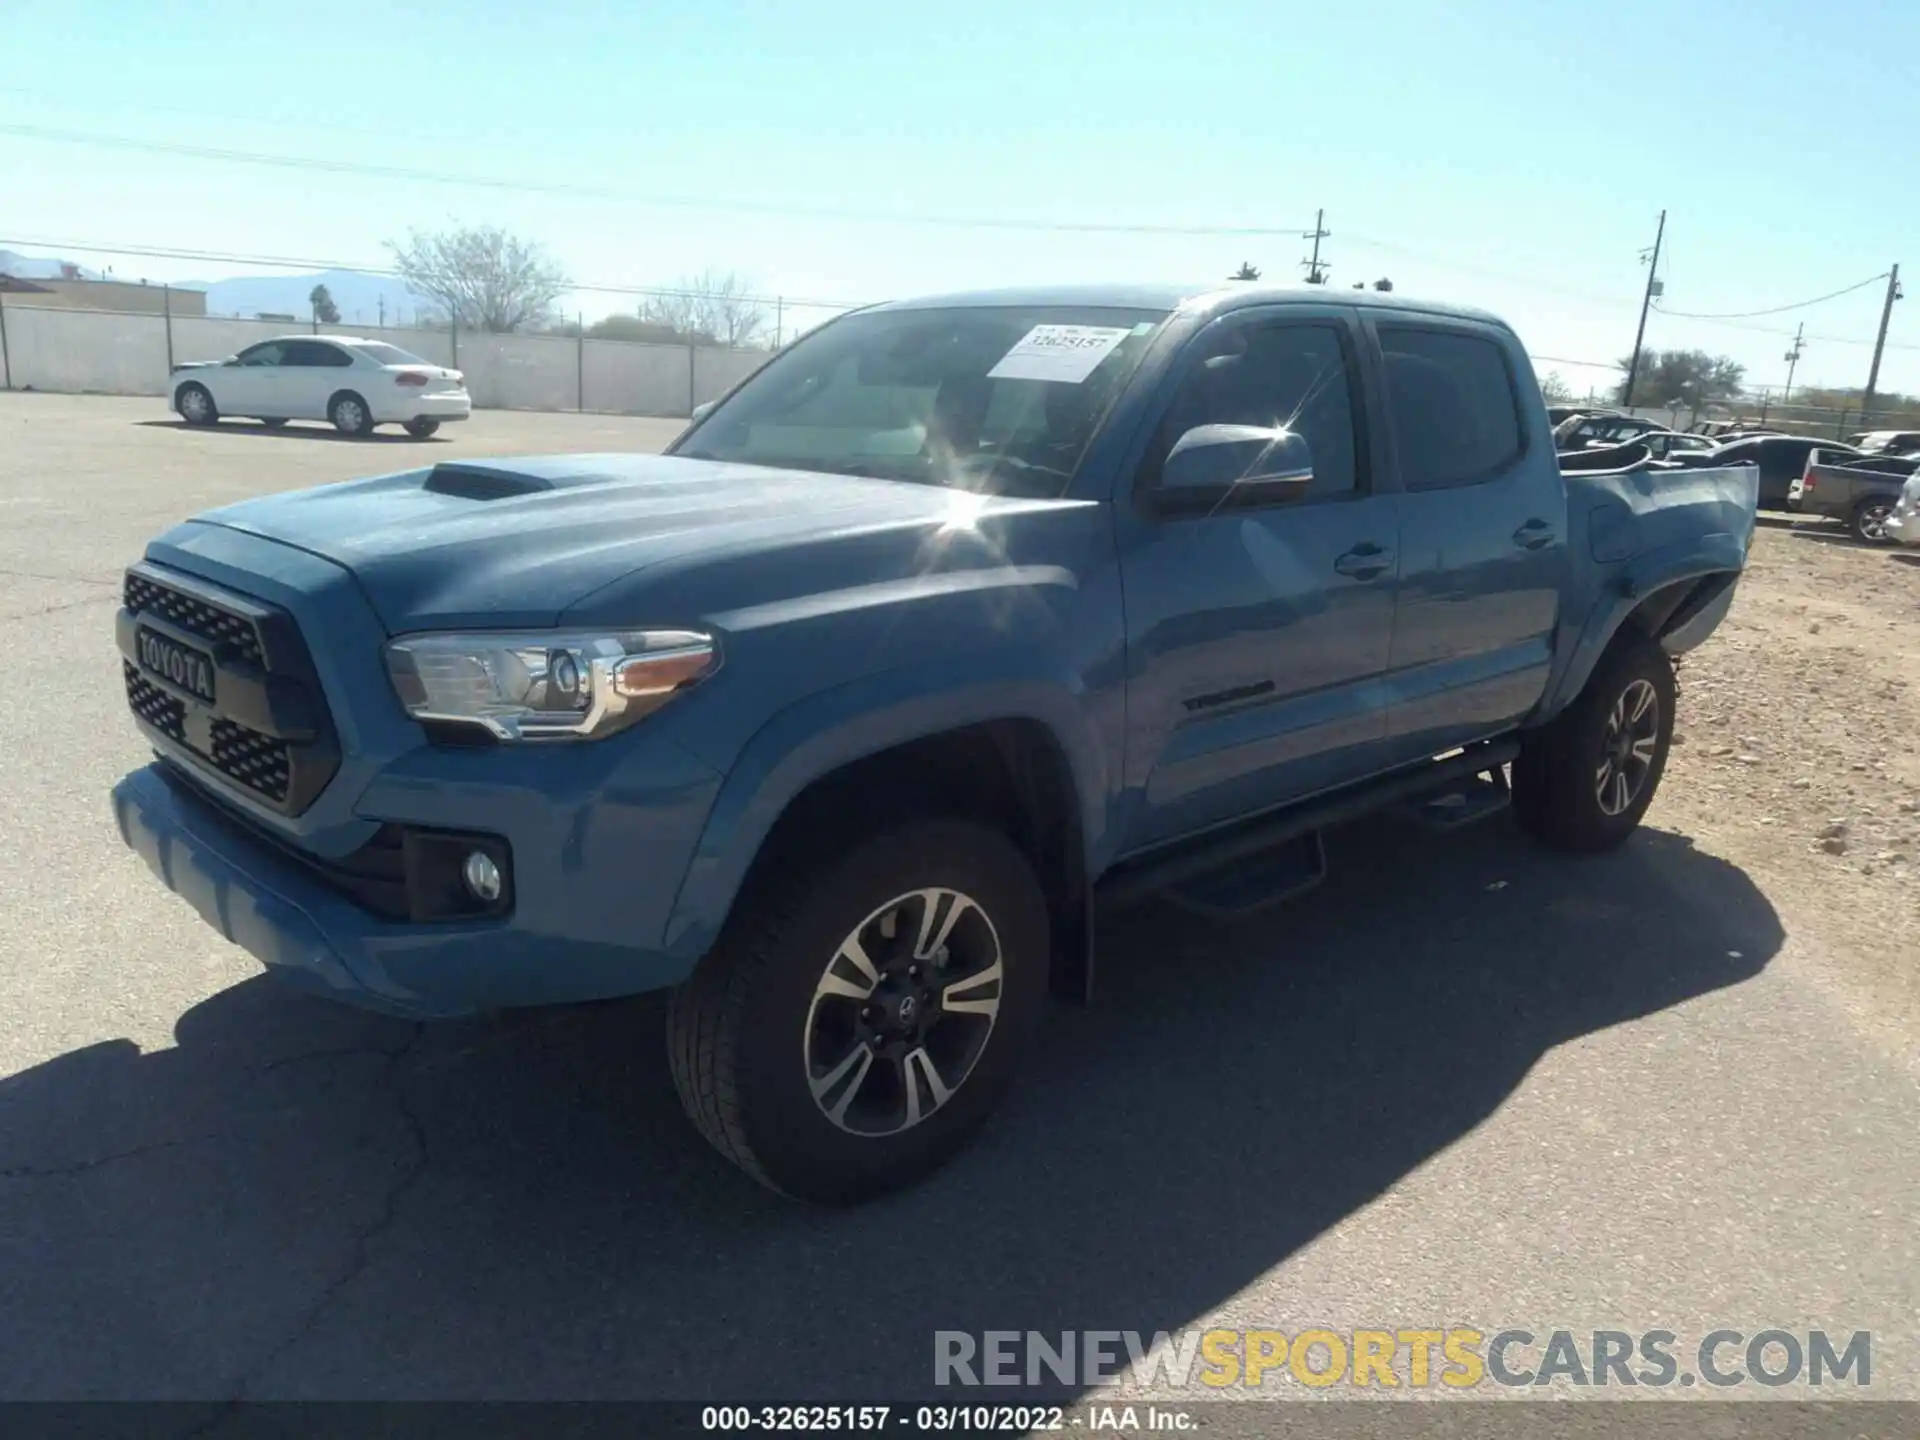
310,935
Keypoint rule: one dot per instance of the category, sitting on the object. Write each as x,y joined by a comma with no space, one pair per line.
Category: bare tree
482,277
709,309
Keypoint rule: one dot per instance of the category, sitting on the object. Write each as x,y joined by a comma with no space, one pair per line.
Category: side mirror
1212,466
702,410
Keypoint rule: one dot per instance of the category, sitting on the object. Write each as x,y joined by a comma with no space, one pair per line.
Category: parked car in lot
1781,459
1662,444
1903,525
958,618
352,382
1861,490
1603,430
1886,442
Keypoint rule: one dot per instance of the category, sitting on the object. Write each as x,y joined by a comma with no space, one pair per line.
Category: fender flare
836,727
1626,590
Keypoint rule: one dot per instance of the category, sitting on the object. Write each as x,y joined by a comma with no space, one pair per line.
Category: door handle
1363,562
1533,535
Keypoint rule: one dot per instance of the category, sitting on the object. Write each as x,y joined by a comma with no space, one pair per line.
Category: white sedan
357,384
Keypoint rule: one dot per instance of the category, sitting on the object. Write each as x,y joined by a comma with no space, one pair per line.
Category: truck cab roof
1219,296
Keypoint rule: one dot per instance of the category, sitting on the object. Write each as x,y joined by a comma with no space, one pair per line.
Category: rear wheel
1583,782
350,415
421,429
856,1025
1868,522
195,404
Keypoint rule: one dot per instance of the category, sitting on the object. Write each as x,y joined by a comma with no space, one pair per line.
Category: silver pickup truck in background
1860,490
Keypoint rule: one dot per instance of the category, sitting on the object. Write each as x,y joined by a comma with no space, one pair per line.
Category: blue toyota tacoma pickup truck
838,719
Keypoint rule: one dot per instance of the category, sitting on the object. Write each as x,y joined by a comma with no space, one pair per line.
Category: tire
272,422
195,404
350,414
775,1013
1867,522
1582,782
422,429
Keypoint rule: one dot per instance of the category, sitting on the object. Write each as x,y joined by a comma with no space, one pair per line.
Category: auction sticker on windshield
1066,354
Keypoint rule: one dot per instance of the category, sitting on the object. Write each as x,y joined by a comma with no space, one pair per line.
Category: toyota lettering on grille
184,668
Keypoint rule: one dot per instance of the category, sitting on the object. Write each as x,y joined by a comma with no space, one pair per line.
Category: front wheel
1583,782
1868,522
350,415
855,1025
422,429
195,404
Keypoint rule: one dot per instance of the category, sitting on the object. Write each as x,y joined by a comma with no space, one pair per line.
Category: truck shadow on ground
313,431
301,1201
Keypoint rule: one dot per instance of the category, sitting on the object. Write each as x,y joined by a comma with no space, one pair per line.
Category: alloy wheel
1628,748
903,1011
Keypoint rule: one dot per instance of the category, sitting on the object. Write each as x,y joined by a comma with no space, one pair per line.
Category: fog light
482,876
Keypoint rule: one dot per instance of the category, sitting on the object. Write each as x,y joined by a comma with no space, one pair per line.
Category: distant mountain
38,267
358,295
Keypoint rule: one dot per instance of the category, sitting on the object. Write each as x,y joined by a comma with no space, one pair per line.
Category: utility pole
1646,303
1879,345
383,312
1316,275
1792,357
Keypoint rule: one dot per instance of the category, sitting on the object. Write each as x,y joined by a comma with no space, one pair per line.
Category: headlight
546,686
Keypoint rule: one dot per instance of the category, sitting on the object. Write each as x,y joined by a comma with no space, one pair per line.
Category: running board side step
1219,872
1475,799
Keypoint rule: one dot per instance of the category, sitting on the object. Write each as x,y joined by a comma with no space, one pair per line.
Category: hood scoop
483,482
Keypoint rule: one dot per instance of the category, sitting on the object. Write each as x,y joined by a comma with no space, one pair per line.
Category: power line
1775,310
598,192
300,262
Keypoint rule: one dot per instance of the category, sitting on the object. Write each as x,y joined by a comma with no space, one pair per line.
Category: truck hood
524,542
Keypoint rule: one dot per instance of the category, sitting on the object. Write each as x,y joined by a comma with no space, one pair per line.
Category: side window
1290,375
266,354
1455,414
312,354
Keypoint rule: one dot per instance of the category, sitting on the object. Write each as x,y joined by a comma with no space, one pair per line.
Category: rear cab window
1453,405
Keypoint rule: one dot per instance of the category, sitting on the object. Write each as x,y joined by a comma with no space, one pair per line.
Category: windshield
974,397
382,353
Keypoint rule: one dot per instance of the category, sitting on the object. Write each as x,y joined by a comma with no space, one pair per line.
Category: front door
1258,636
252,385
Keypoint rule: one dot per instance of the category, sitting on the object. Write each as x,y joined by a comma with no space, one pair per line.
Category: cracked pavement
1462,1083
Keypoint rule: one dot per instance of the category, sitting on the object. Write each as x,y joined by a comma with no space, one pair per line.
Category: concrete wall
103,352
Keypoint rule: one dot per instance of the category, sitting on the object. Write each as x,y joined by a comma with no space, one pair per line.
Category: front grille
268,733
259,762
196,617
155,706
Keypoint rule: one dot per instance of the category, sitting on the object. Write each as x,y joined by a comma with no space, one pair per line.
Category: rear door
1258,635
310,372
1483,531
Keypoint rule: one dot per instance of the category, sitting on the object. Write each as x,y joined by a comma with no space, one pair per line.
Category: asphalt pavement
1463,1084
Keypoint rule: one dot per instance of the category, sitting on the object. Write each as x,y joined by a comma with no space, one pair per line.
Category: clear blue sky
1509,153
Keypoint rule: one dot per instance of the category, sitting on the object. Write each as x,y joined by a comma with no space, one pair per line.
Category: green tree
480,276
1689,378
325,312
1247,271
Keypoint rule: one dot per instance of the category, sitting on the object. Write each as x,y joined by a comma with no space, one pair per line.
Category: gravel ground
1798,753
